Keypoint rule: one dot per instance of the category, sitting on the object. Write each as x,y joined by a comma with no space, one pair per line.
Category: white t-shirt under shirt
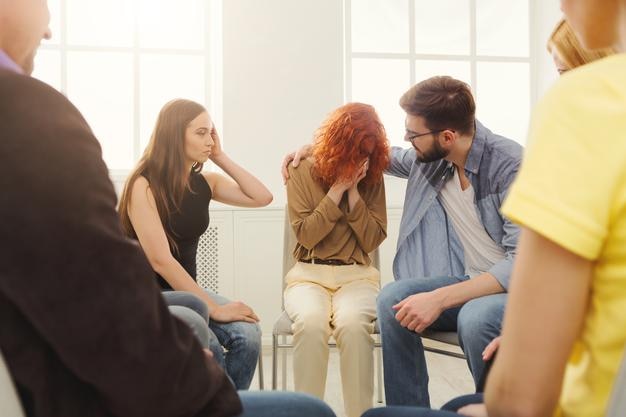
481,252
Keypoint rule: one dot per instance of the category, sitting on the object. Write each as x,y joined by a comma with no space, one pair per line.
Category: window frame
212,54
473,58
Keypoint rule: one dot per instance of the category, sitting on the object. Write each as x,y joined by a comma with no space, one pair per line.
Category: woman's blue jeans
235,346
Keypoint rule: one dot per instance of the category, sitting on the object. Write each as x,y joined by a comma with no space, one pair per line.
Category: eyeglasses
411,138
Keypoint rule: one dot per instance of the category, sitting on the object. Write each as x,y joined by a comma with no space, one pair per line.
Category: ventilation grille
207,257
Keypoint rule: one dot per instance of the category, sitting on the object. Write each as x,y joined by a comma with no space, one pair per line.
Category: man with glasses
455,250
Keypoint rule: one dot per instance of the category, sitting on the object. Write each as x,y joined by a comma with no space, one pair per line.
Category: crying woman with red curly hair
337,210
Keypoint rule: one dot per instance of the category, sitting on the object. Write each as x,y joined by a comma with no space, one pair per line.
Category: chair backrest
10,405
617,403
289,243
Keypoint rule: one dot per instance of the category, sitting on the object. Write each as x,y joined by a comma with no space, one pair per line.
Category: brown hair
568,48
163,164
350,134
443,102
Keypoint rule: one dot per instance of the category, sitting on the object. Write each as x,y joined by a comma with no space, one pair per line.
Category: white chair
10,405
282,326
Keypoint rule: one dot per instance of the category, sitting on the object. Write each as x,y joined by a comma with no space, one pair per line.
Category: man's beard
435,153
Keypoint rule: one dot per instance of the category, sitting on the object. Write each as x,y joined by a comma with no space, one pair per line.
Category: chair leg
274,360
284,361
379,375
260,370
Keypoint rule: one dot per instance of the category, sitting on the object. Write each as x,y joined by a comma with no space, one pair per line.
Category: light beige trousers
339,300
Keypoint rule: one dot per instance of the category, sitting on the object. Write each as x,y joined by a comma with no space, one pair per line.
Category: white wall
546,15
282,74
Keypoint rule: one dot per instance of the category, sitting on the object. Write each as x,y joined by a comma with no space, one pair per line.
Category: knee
390,295
284,403
216,347
195,322
352,320
189,300
311,324
353,324
378,412
199,306
309,406
481,316
249,334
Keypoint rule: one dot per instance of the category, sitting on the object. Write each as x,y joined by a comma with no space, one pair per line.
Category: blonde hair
564,42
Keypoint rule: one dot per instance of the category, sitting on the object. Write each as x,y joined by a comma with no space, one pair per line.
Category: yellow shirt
572,190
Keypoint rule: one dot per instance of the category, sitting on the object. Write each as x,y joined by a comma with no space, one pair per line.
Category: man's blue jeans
282,404
235,346
477,322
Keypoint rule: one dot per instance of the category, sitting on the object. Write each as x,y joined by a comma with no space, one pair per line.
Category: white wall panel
258,263
221,256
282,74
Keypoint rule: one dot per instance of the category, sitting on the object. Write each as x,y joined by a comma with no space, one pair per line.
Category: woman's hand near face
352,183
361,173
238,187
353,191
342,185
216,150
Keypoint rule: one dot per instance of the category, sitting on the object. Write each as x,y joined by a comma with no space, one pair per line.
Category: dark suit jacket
83,326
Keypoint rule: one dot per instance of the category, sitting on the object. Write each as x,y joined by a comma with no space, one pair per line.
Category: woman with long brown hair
165,206
337,209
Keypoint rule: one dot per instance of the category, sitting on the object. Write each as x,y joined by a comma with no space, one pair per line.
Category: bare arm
149,229
545,312
479,286
242,188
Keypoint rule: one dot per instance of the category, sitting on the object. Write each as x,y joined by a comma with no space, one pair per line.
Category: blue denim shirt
427,243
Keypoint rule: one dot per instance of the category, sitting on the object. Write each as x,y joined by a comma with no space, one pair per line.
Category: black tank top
187,225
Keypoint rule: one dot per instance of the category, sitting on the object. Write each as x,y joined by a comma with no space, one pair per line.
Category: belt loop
312,261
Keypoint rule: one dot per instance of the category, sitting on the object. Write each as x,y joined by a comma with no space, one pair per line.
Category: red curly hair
350,134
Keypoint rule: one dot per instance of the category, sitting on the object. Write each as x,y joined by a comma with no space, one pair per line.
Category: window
120,74
393,44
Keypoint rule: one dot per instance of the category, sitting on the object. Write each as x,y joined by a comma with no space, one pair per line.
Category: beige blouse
327,231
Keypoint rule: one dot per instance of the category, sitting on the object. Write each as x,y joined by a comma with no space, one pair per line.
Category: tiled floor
449,377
